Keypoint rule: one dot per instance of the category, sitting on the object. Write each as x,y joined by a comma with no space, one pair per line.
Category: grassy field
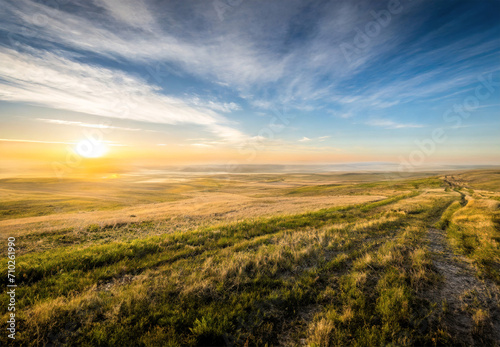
255,259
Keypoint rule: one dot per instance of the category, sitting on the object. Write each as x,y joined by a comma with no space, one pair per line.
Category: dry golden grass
253,260
204,208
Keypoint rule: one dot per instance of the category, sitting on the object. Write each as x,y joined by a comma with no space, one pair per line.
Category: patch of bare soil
119,281
470,307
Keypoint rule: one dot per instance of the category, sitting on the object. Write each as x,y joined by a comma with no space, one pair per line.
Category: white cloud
316,139
250,52
36,141
227,58
201,145
134,13
85,125
389,124
225,107
341,114
45,79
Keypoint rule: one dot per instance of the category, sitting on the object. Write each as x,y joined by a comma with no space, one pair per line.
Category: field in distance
253,259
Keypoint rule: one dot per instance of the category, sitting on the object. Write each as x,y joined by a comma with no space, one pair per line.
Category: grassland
297,259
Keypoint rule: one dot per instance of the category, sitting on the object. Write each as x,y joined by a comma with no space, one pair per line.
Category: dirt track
462,294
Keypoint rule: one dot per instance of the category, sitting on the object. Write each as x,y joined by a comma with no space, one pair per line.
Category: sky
249,82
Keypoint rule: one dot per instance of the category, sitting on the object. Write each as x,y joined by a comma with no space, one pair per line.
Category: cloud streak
102,58
389,124
52,81
85,125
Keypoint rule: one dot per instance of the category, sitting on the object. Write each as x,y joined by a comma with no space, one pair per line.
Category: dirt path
469,307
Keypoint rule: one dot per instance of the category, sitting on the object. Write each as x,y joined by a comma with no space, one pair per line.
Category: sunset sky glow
177,82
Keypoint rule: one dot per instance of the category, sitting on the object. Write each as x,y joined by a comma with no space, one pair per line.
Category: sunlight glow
91,149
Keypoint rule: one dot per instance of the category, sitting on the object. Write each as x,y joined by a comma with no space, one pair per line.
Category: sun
91,149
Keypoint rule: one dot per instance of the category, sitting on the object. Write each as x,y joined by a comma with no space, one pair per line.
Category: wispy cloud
225,107
134,13
225,57
36,141
316,139
264,59
103,57
341,114
85,125
201,145
52,81
389,124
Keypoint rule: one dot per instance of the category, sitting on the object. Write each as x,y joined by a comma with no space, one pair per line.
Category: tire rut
461,295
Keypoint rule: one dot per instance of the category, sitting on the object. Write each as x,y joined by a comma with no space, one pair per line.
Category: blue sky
291,81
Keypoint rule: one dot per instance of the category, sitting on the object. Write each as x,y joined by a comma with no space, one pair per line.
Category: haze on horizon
245,82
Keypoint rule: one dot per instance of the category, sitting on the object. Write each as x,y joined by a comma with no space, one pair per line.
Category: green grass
474,231
350,275
444,221
367,188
